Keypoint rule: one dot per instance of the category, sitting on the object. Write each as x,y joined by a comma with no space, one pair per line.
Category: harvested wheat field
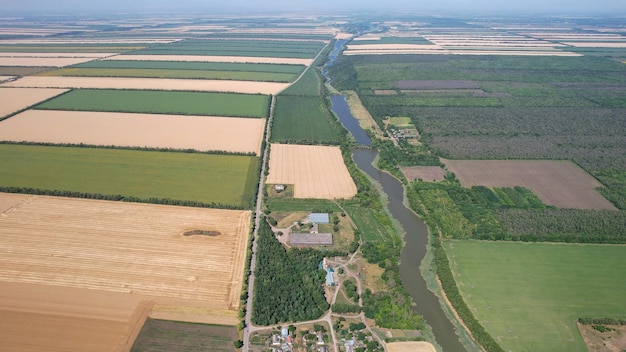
37,317
315,171
411,346
425,173
16,99
83,275
150,83
203,133
43,61
203,58
558,183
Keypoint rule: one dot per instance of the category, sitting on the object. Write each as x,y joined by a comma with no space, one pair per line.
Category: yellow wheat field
203,133
315,171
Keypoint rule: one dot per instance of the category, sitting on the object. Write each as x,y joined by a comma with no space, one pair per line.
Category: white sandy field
16,99
411,346
149,83
206,58
203,133
315,171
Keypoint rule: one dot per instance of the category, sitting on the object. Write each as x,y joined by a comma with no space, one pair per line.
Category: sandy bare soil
425,173
365,119
149,83
128,248
199,58
42,61
315,171
16,99
202,133
56,55
411,346
558,183
610,341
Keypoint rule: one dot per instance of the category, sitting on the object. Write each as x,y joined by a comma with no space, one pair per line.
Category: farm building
330,277
311,239
319,218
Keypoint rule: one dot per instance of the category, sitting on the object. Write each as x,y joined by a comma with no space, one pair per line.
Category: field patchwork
213,58
315,171
202,133
558,183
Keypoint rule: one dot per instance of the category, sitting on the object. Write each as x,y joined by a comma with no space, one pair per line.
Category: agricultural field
528,296
426,173
162,102
165,336
218,180
315,171
558,183
42,61
16,99
47,46
304,120
235,135
238,47
213,58
109,285
169,84
372,226
411,346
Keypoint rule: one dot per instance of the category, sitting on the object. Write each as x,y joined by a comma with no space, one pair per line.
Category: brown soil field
42,61
315,171
199,58
20,71
16,99
611,341
36,317
385,92
558,183
149,83
425,173
56,55
166,336
411,346
203,133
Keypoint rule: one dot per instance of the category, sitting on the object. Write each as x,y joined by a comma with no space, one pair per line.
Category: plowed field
204,133
315,171
558,183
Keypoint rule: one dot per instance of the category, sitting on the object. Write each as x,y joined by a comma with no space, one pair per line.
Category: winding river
416,237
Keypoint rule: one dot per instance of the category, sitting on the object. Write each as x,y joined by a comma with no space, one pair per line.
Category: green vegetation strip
529,296
373,225
221,180
161,102
166,335
166,73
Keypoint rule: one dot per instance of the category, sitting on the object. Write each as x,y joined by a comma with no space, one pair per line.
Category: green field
308,85
221,179
393,40
303,120
184,65
161,102
238,47
167,73
165,336
370,224
528,296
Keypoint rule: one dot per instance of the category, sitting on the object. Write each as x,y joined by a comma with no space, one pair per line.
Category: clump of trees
289,285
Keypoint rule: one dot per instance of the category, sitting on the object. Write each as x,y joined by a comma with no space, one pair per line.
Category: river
416,232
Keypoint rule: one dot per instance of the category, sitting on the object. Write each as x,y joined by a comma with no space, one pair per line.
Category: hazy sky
577,7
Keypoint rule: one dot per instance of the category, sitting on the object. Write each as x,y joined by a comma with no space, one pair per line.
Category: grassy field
291,205
161,102
370,225
70,48
307,85
230,47
172,73
165,336
303,120
529,296
184,65
224,179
